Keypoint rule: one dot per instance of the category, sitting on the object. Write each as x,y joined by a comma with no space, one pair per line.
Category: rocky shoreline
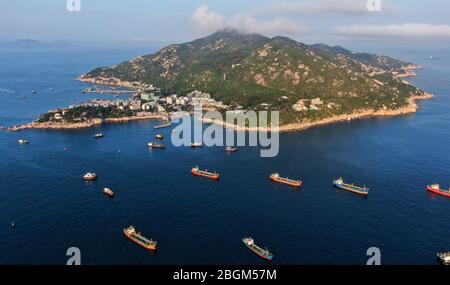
410,109
81,125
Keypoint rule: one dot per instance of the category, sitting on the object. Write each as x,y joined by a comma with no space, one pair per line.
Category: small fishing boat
339,183
263,253
90,176
34,92
436,188
230,149
23,142
204,173
136,237
108,192
196,144
277,178
444,258
159,137
156,145
98,136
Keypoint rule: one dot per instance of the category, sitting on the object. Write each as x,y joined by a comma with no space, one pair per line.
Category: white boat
90,176
108,192
23,141
196,144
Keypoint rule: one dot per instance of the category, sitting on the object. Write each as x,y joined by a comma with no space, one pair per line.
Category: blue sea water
196,221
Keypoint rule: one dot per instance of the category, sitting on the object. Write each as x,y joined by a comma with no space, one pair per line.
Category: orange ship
136,237
277,178
204,173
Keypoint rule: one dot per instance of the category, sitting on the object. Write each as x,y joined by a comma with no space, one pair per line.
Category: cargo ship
108,192
196,144
436,188
90,176
136,237
156,145
98,136
159,137
204,173
230,149
444,258
339,183
277,178
263,253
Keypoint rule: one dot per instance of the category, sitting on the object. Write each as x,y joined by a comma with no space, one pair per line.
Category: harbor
43,189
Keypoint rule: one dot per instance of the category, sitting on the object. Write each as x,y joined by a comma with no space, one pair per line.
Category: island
309,85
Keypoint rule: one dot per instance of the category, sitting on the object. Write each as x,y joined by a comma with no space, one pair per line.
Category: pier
102,91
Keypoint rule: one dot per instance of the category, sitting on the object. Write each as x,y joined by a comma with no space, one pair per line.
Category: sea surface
197,221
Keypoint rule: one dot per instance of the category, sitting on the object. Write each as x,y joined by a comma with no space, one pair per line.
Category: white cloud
208,21
407,30
346,7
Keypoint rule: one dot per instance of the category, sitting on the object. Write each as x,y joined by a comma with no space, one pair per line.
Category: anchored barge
156,145
436,188
277,178
90,176
136,237
204,173
263,253
444,258
339,183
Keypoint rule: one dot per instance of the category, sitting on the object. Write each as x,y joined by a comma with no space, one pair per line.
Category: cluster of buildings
301,105
153,101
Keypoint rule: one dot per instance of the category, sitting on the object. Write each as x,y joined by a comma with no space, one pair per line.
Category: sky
170,21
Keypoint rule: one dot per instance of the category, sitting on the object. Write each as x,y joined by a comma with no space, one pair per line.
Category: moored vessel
436,188
98,136
159,137
277,178
90,176
155,145
444,257
108,192
204,173
339,183
263,253
196,144
136,237
230,149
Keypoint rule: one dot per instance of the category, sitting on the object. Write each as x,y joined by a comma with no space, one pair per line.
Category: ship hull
130,237
89,178
343,187
438,191
213,177
269,257
293,184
